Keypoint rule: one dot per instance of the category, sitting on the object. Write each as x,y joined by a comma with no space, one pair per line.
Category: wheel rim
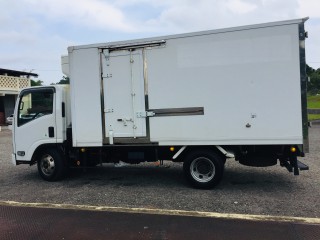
47,165
202,169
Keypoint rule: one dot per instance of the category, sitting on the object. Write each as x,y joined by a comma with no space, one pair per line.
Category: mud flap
293,165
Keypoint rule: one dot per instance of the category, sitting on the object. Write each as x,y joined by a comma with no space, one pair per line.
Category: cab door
35,122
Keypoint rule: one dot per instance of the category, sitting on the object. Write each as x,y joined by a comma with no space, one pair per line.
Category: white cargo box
236,86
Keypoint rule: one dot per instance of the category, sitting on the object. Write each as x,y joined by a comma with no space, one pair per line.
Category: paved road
244,190
55,223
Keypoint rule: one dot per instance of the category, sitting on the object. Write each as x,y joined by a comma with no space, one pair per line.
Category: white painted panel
226,52
241,77
85,97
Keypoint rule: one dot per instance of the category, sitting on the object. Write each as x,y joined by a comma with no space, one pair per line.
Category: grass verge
313,101
312,117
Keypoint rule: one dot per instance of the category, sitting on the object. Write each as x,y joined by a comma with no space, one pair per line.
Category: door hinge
145,114
109,110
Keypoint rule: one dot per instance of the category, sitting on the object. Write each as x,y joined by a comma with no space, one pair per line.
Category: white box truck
197,98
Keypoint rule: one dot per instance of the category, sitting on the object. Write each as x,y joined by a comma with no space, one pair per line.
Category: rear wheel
203,168
51,165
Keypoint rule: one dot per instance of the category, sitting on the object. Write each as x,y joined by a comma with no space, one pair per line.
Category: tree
64,80
36,83
314,83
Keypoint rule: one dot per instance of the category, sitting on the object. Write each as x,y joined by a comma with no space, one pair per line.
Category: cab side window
35,104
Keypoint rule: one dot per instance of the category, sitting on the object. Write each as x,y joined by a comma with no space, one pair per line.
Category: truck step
302,166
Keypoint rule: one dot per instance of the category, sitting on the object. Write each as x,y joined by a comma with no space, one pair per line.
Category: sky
35,33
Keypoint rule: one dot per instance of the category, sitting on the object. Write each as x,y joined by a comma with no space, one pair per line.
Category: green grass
312,117
314,101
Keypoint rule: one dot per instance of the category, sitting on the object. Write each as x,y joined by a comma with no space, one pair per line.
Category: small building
11,82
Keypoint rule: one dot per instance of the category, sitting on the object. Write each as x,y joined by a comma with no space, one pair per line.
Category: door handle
51,132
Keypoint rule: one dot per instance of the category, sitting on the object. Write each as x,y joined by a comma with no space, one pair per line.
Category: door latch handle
125,120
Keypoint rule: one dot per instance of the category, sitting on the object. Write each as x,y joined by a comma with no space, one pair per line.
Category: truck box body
237,86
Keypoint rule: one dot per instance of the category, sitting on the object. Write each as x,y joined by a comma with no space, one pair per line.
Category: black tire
51,164
203,168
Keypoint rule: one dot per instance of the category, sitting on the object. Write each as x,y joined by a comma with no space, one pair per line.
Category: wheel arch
190,149
43,147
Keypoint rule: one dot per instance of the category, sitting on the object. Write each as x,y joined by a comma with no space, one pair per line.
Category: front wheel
51,165
203,168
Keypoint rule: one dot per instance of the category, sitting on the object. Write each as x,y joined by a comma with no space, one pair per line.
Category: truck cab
40,120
